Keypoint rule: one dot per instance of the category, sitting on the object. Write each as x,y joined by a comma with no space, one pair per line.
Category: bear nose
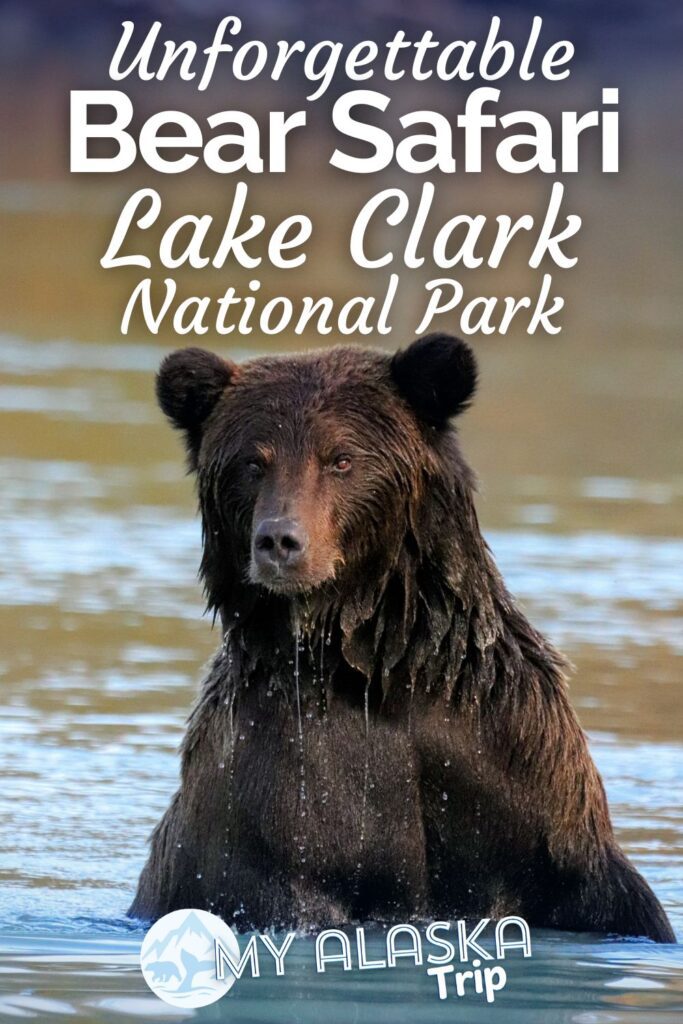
279,542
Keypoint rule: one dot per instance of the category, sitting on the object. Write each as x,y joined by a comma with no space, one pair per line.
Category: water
104,642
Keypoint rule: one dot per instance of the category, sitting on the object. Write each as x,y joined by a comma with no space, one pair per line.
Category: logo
178,958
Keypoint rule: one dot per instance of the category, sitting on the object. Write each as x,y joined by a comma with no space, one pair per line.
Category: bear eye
254,468
342,464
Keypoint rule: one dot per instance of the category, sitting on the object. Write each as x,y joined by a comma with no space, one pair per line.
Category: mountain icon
178,958
191,928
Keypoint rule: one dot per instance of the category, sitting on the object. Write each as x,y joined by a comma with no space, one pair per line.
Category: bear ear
188,386
437,375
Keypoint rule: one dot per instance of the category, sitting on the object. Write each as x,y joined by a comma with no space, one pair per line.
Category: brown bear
382,735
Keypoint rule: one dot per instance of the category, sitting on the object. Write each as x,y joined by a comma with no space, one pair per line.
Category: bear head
317,472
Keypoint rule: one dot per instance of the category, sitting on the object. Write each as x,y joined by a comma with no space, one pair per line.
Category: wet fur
417,756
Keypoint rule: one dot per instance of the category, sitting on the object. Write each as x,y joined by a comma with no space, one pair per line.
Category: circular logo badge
178,958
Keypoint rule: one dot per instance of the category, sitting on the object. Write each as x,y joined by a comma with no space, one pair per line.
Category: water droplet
444,796
199,875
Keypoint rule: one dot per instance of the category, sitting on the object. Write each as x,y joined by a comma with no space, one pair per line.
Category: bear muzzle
288,558
279,543
279,555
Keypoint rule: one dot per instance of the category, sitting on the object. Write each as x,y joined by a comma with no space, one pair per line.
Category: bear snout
289,557
279,554
279,542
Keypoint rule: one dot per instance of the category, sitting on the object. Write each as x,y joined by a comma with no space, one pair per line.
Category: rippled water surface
104,641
